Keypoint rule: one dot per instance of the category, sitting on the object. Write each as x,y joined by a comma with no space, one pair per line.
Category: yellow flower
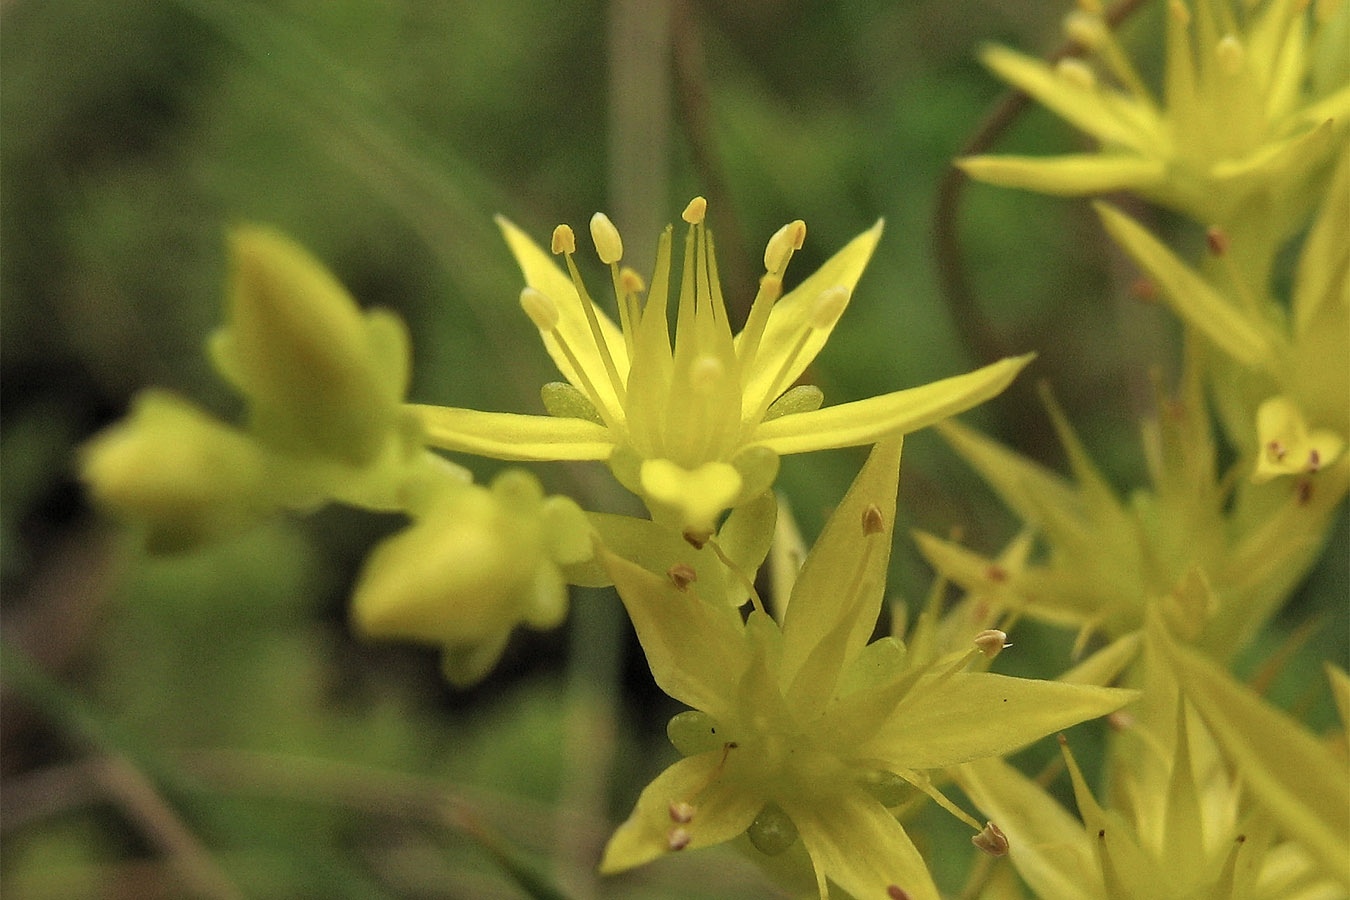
801,730
1236,131
1109,559
1188,770
477,563
1287,373
697,428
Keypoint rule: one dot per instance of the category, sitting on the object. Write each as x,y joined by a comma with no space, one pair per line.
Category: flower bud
321,377
179,472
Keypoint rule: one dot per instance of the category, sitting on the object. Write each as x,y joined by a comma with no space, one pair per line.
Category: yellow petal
511,435
1322,267
973,715
1289,771
1080,105
544,275
859,846
792,313
1286,446
1068,176
844,556
866,421
1046,844
1191,296
695,648
721,811
694,497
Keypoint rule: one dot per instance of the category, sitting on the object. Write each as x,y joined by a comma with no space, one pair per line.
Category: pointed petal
1068,176
843,556
1191,295
1046,844
1289,771
1026,486
722,810
511,435
855,843
1081,106
791,315
973,715
1324,260
865,421
696,649
544,275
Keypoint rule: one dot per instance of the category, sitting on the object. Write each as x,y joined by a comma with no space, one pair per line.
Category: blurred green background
256,748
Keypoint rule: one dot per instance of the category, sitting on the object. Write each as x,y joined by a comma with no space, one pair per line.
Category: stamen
770,289
1217,240
1077,73
631,281
608,244
822,315
682,575
991,840
1314,460
872,521
541,309
681,813
564,240
567,241
1230,55
678,838
705,373
746,581
895,892
781,246
991,642
695,211
1304,491
829,306
1179,12
1092,33
1276,451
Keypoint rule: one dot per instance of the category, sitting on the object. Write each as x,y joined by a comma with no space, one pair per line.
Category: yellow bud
608,244
182,474
321,377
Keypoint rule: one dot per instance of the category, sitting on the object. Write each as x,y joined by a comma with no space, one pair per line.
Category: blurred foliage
383,135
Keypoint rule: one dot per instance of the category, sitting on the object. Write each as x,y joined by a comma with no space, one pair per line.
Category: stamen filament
745,580
596,400
594,322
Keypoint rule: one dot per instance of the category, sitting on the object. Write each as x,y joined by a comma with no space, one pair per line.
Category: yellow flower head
803,731
1236,123
695,426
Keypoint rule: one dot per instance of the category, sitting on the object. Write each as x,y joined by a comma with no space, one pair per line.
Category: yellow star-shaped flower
696,428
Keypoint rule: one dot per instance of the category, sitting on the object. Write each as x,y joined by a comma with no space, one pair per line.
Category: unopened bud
991,840
608,244
991,642
564,239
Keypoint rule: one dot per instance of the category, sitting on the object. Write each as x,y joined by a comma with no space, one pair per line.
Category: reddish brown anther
872,521
681,813
1217,240
682,575
895,892
1314,460
1277,450
1304,491
991,840
678,839
1145,290
995,572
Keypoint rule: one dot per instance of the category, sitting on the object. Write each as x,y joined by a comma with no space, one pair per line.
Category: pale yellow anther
631,281
1230,55
564,239
1178,11
608,244
705,373
828,307
695,211
991,642
1077,73
1086,30
991,840
781,246
541,309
